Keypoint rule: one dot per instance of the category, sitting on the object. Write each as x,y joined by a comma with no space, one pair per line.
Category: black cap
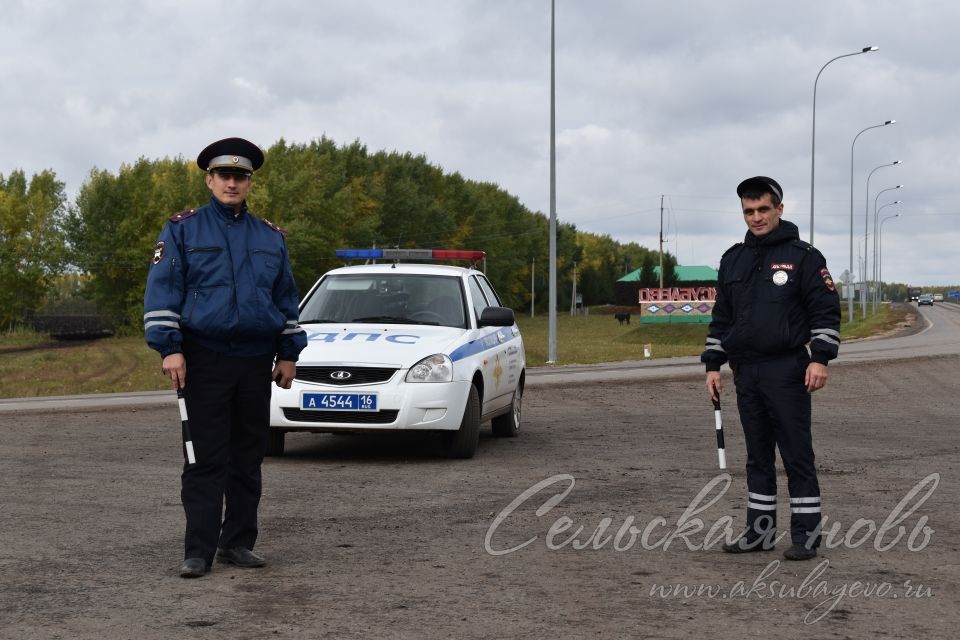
761,184
231,155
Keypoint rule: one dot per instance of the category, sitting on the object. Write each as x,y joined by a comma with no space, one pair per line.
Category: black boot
742,545
800,552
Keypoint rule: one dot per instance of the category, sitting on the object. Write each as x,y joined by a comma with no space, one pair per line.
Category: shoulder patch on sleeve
739,244
183,215
158,252
827,279
274,227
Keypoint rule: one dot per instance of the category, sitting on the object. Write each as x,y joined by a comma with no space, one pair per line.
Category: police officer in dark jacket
774,295
221,304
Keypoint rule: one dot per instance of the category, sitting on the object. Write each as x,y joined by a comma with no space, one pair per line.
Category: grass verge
33,364
40,366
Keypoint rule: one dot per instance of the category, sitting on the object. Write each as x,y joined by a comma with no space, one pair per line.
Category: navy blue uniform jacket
223,281
774,294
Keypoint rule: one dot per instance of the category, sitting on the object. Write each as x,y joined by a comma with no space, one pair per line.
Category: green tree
330,196
648,271
32,247
896,291
669,270
115,223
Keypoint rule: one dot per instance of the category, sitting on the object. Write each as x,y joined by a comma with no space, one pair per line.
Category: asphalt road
380,537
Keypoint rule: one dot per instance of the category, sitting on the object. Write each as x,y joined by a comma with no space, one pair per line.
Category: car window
492,296
400,298
478,298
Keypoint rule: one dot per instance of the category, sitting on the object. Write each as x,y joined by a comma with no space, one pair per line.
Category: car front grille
358,375
352,417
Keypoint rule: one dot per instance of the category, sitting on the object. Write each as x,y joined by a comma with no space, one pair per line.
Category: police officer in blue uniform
774,295
221,308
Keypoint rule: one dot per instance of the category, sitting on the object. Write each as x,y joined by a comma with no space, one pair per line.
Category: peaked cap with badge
231,155
760,184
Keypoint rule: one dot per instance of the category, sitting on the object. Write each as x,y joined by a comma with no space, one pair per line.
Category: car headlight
435,368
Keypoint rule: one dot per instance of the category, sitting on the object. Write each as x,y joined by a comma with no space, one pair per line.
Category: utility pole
661,242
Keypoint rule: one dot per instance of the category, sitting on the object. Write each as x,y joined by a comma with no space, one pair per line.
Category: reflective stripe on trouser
775,413
228,401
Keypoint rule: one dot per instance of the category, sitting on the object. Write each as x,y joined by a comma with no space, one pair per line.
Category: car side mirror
497,317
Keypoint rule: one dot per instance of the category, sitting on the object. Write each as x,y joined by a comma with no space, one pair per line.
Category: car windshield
400,298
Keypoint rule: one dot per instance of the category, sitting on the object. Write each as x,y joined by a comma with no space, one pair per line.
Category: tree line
327,196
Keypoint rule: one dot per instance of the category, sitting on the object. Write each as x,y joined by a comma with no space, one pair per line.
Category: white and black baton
721,450
185,424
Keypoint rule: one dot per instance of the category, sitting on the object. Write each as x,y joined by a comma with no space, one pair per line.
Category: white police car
404,347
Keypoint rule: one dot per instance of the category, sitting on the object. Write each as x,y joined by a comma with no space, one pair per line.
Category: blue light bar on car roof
410,254
367,254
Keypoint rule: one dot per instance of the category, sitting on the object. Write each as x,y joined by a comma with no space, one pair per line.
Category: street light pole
552,292
852,144
875,239
880,242
813,143
866,222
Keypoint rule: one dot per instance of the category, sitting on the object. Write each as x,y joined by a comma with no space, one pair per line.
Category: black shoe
194,568
241,557
742,545
800,552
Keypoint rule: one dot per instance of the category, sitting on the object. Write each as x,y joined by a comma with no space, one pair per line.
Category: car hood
376,344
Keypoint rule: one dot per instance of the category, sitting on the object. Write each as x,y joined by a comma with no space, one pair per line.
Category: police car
402,346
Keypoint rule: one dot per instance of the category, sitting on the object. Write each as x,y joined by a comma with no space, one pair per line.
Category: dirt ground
380,537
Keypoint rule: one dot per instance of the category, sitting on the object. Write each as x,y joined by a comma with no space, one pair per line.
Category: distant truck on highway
914,293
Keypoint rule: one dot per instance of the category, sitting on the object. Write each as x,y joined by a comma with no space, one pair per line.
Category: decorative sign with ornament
677,305
684,294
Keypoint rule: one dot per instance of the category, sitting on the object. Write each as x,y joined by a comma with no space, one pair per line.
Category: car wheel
508,425
275,438
463,442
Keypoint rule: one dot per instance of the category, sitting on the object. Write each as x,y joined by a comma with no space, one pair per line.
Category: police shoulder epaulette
274,227
806,246
183,215
739,244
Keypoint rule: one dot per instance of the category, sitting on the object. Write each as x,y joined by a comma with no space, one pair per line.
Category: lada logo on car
340,375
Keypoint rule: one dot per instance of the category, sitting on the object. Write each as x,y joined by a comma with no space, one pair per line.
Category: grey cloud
683,99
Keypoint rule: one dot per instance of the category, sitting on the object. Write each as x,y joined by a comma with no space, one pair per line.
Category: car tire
463,442
508,425
275,441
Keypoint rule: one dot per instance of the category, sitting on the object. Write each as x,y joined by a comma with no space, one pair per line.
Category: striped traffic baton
721,450
185,424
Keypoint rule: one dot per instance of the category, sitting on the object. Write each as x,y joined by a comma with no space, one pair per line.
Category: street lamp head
897,161
868,49
899,186
897,201
890,122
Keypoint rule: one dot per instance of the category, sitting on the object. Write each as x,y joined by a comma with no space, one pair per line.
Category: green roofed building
686,274
689,298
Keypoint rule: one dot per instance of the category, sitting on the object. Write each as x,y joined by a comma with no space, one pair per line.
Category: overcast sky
682,99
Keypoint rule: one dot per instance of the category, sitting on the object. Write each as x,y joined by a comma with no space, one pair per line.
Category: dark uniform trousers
775,413
228,404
